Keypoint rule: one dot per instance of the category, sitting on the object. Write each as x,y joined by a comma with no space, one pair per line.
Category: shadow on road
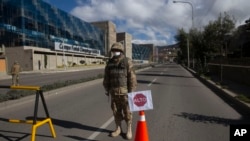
71,124
147,82
14,135
165,75
79,138
19,136
212,119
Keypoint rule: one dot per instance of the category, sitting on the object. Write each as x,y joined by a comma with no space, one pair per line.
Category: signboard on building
75,48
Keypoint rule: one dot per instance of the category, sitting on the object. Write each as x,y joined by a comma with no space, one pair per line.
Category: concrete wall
38,58
129,45
39,61
33,58
24,58
126,39
56,61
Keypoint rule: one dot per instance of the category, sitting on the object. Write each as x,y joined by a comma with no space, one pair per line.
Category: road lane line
152,82
97,132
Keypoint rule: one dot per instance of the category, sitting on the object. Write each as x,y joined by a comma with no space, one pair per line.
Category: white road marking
97,132
152,82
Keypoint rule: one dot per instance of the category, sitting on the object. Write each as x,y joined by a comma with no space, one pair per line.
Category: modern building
144,53
112,36
109,29
126,40
40,36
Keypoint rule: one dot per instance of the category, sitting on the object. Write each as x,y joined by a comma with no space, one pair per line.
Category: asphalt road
184,110
50,77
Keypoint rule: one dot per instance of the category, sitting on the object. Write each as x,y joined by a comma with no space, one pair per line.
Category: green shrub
15,94
243,98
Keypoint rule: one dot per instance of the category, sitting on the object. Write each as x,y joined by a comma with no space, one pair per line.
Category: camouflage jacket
119,77
15,69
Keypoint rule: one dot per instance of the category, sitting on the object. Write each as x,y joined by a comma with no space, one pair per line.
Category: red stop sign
140,99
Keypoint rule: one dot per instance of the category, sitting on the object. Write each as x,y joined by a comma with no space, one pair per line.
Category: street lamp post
176,1
191,27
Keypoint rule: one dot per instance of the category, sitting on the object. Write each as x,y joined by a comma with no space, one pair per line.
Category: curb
228,96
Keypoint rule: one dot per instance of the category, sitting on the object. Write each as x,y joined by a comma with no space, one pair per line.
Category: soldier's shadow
71,124
57,122
15,135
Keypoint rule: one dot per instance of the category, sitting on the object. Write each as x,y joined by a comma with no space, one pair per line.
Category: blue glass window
34,22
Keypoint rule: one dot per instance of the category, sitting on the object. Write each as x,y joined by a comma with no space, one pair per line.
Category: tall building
109,29
34,31
111,36
144,53
126,40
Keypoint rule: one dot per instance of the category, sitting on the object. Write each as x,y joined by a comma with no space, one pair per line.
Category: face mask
117,53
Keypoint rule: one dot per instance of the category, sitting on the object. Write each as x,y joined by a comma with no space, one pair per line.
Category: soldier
119,80
15,70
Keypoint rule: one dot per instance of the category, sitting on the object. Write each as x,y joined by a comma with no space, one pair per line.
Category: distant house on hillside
168,53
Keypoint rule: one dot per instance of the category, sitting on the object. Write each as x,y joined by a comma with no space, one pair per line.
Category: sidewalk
4,76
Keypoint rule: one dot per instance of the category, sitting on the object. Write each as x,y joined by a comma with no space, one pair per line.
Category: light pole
175,1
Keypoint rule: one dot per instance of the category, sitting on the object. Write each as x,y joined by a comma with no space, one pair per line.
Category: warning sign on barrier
141,100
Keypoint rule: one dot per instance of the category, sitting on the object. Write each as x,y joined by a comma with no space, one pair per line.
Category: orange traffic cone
141,129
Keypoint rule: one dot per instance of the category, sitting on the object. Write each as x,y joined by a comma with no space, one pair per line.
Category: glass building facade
142,51
39,24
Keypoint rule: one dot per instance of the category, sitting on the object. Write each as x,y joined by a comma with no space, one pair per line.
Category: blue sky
154,21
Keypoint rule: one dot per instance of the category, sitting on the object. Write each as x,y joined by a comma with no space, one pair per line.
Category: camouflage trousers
120,107
15,79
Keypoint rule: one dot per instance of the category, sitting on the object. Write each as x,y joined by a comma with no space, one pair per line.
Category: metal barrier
35,122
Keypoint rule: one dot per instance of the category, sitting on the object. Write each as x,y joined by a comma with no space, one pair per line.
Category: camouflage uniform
120,79
15,70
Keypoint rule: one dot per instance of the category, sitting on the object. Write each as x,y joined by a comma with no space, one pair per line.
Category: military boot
117,131
129,130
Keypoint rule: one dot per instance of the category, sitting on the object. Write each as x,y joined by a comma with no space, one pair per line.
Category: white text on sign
139,101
